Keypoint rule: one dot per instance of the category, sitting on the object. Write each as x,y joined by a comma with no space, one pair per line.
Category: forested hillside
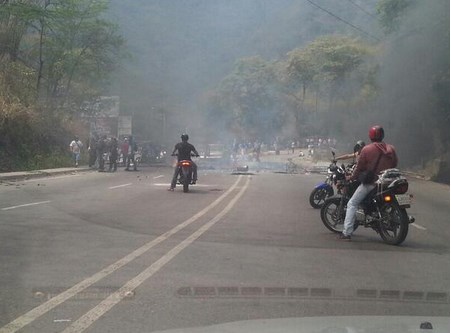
254,69
262,69
55,58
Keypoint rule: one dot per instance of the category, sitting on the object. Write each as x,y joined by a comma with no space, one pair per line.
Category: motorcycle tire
319,196
185,186
333,216
185,182
394,224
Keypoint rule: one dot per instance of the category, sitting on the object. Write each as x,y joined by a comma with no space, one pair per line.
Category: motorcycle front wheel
333,214
394,224
319,195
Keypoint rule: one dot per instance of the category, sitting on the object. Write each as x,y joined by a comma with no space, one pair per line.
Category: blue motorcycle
335,176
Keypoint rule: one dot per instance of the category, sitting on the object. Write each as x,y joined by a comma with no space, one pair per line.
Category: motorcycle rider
373,158
184,150
355,155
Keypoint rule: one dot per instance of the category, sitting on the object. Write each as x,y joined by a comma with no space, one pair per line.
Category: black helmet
185,137
358,146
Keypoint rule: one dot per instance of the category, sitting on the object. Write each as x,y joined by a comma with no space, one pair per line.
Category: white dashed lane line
119,186
26,205
418,226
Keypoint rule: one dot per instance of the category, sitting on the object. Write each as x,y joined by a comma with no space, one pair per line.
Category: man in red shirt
373,158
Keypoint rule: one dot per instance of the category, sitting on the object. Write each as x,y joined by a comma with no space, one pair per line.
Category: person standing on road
102,147
75,146
92,149
373,158
132,149
113,155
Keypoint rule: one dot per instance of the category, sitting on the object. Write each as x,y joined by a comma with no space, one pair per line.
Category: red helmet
376,133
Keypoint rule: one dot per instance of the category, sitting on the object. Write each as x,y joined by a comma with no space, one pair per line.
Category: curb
24,175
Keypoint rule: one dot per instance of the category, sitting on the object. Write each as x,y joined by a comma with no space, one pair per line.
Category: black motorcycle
185,173
324,190
383,210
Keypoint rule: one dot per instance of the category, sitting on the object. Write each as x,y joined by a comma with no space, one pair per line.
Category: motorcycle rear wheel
185,186
394,224
333,216
319,196
186,181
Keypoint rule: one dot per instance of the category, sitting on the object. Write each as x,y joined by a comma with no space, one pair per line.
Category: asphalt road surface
117,252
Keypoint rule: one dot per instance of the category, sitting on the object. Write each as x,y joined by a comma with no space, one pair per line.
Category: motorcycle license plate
404,200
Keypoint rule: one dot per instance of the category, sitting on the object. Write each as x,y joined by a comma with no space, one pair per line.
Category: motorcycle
383,210
324,190
185,173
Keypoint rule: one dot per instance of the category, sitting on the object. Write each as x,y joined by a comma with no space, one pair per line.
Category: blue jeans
76,157
353,204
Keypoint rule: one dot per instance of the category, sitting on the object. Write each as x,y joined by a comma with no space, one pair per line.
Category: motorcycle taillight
402,188
186,164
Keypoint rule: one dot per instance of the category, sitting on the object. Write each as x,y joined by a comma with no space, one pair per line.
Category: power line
344,21
363,9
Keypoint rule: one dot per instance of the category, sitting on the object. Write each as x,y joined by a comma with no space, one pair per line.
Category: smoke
181,50
413,108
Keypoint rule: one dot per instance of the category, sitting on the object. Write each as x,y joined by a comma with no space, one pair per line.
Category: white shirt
76,146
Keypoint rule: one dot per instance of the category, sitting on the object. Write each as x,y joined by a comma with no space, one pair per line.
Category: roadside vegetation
337,85
58,57
55,58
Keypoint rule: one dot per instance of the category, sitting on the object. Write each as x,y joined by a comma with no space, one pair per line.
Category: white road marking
118,186
197,185
160,176
95,313
26,205
418,226
42,309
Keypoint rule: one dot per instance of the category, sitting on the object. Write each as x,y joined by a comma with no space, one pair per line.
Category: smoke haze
181,50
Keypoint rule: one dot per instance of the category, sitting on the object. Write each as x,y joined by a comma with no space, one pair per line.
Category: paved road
103,252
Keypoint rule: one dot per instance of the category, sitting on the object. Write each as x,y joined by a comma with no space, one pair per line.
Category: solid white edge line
52,303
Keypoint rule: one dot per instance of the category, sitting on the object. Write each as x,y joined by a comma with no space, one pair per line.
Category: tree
333,66
390,13
55,55
68,44
250,95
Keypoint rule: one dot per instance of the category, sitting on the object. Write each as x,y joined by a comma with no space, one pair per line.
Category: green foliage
260,97
327,60
54,57
249,95
70,47
390,13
